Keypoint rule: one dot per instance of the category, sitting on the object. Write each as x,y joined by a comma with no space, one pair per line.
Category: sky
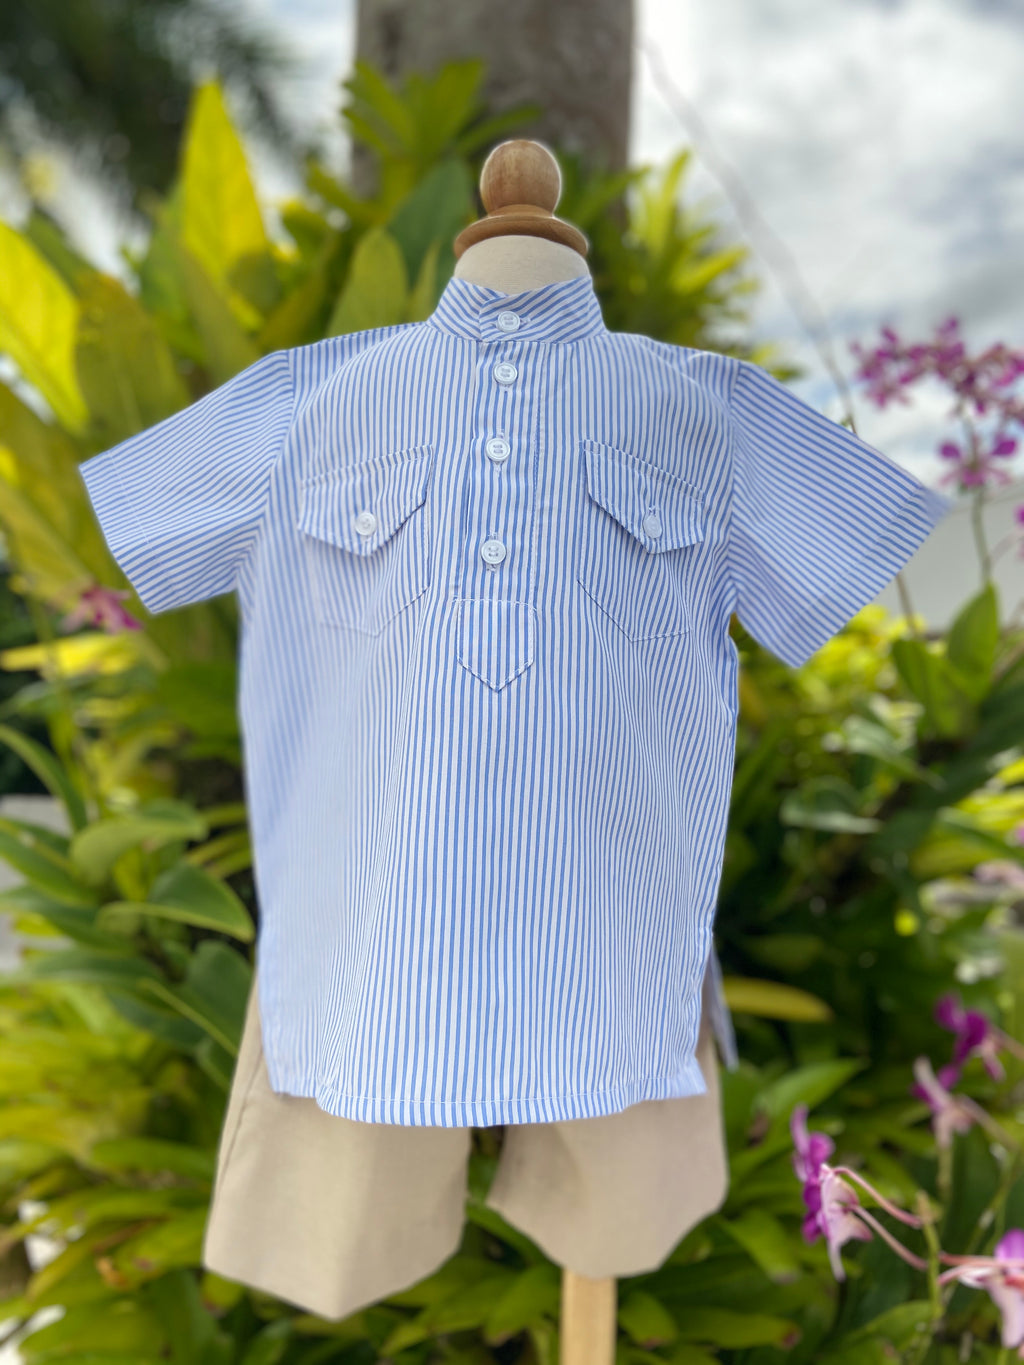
876,139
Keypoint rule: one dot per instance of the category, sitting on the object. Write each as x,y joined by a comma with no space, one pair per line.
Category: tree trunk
572,57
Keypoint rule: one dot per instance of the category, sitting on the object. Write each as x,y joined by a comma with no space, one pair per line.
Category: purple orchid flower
976,1035
983,385
834,1210
950,1113
1002,1275
101,606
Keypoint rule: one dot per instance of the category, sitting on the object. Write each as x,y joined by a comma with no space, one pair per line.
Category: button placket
497,621
493,550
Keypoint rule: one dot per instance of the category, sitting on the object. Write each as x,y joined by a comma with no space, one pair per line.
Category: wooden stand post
588,1320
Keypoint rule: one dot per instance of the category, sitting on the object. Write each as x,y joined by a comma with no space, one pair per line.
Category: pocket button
366,523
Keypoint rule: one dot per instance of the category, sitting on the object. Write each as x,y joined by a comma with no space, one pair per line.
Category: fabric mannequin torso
515,262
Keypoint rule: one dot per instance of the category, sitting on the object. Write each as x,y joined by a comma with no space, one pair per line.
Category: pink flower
982,385
1002,1275
101,606
976,1035
950,1113
834,1208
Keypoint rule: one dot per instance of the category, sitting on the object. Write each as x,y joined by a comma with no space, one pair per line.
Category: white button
492,551
508,322
366,523
498,448
505,372
652,525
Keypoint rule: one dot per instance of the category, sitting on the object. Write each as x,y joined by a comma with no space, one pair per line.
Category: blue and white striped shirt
485,567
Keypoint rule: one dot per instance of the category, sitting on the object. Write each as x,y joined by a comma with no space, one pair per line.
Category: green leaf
214,994
946,709
103,1328
534,1294
190,896
48,769
732,1329
75,922
774,1000
437,208
827,803
646,1320
376,289
97,848
192,1332
859,735
201,696
165,1024
973,640
38,325
227,344
153,1155
467,1309
788,953
92,968
684,1354
898,1325
177,1241
221,219
48,563
424,292
48,872
808,1085
125,367
766,1241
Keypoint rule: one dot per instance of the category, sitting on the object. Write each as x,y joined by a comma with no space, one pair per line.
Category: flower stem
1007,1180
978,527
904,1252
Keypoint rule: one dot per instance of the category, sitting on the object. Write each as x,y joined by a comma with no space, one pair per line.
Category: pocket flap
661,510
360,506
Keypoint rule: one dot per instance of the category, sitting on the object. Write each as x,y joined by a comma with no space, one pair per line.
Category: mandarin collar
564,310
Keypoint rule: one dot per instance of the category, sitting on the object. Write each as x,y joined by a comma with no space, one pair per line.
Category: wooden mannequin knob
520,185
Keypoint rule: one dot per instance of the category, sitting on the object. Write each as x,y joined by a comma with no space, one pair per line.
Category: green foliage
869,787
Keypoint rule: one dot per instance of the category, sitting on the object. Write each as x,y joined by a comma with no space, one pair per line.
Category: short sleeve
179,504
821,521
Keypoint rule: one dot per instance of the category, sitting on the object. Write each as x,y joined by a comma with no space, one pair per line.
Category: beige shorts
332,1214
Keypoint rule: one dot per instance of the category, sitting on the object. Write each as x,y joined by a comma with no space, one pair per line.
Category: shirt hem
688,1081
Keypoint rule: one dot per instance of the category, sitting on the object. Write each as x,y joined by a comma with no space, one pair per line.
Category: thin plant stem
978,528
1011,1172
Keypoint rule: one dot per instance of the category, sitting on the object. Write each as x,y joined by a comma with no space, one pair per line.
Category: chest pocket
367,537
639,524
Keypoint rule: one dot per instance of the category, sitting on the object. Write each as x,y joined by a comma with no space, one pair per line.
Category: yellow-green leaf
46,561
222,221
95,849
229,348
49,771
38,326
773,1000
190,896
177,1241
377,287
125,368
